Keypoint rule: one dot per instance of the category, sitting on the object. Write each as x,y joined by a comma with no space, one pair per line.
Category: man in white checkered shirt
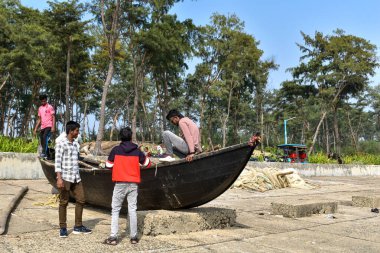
68,179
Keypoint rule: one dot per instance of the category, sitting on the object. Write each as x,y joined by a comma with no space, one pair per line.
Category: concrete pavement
351,229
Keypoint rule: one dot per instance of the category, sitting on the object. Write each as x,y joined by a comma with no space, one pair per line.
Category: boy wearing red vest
125,160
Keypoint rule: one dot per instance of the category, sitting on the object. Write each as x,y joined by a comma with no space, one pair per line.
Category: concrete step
303,208
366,201
161,222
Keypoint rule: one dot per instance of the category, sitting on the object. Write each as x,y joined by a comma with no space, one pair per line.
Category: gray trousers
175,144
119,192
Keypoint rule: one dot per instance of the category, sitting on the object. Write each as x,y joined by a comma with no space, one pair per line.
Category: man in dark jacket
125,160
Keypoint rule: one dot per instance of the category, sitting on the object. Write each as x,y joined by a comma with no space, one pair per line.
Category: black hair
42,97
71,126
173,113
125,134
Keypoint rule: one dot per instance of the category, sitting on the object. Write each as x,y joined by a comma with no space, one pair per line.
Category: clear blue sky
277,23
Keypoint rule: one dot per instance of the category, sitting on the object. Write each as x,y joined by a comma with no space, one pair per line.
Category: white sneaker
167,159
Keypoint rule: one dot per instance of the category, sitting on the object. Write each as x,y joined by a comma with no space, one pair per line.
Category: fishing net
264,179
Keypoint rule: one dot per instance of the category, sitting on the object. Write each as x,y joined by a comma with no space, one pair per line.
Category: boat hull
176,185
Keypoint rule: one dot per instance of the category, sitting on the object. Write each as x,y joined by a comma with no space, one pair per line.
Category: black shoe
134,240
111,241
81,230
63,233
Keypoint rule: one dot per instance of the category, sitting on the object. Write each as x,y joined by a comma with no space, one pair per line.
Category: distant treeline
126,63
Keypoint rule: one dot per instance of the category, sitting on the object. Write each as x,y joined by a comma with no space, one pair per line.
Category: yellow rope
52,201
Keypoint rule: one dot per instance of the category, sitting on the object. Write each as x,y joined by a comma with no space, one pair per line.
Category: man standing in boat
125,160
188,145
68,179
46,118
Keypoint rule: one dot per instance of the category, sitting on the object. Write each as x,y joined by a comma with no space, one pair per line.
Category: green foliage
365,159
370,147
320,158
362,158
19,145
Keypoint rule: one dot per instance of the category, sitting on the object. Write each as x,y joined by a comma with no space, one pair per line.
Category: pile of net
264,179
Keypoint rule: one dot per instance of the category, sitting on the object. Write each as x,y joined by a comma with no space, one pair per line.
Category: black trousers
44,137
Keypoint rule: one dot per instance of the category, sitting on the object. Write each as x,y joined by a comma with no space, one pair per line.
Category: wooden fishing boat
176,185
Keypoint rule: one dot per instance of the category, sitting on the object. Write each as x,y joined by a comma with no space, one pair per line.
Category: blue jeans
44,138
119,192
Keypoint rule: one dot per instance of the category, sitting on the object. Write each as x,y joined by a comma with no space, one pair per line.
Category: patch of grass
19,145
361,158
320,158
365,159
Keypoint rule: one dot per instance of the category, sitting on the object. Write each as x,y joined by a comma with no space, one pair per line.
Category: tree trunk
28,113
12,130
201,115
352,132
2,116
225,120
160,105
9,113
67,91
84,121
135,106
111,35
100,135
4,82
336,131
327,136
316,132
261,123
146,122
114,124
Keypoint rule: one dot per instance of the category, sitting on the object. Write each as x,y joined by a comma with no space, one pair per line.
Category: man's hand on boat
189,157
254,140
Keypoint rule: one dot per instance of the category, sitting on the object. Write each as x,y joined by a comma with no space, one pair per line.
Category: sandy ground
34,228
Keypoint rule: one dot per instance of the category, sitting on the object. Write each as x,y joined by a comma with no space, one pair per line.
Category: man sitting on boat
125,160
188,145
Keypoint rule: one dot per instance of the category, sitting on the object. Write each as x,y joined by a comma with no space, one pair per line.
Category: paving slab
306,240
256,229
366,201
235,246
271,224
344,213
298,208
364,229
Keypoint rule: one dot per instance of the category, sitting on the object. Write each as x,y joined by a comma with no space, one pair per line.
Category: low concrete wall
27,166
321,170
20,166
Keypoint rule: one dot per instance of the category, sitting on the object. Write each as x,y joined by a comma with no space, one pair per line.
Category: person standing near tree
68,179
46,118
188,145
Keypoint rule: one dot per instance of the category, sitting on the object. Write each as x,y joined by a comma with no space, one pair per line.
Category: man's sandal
134,240
110,241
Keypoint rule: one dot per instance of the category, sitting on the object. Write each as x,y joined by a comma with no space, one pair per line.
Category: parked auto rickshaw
293,153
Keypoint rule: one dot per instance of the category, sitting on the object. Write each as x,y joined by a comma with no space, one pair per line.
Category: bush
370,147
320,158
366,159
361,158
19,145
